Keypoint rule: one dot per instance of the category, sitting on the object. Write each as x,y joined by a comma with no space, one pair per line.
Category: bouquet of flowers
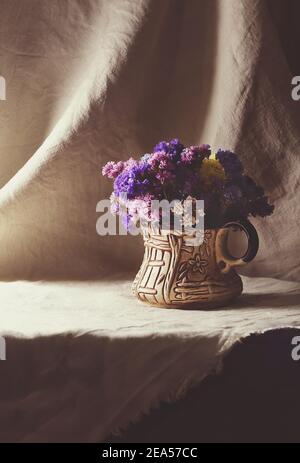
176,172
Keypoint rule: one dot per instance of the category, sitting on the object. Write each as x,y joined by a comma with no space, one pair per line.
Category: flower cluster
173,171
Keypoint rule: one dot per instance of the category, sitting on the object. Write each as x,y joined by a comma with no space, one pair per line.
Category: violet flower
174,171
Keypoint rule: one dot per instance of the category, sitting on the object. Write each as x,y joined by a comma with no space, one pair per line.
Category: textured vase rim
164,231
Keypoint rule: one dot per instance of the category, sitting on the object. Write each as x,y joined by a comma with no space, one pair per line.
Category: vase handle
224,259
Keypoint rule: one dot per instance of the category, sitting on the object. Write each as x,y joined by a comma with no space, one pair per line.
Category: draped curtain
94,80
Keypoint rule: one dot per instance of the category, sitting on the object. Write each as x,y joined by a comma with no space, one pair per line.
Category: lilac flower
112,169
188,183
194,153
133,207
141,207
250,189
173,147
232,193
204,148
145,206
161,146
133,181
157,158
230,162
165,176
188,155
261,207
162,166
126,220
114,204
146,157
175,172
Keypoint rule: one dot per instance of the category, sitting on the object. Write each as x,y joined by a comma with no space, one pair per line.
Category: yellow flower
210,170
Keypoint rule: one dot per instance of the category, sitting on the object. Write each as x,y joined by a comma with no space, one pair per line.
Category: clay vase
176,274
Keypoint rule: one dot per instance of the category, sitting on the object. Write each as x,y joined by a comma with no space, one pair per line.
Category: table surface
85,358
45,308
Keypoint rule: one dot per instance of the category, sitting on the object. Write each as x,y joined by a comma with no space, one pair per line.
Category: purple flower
158,159
126,220
194,153
257,201
204,148
188,183
246,197
173,147
114,204
232,193
112,169
141,208
260,207
175,172
130,163
188,155
165,176
146,157
161,146
133,181
230,162
162,166
250,189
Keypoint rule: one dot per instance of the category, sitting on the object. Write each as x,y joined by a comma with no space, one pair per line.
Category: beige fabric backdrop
92,80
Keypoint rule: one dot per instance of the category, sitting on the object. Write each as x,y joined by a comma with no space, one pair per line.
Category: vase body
176,274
